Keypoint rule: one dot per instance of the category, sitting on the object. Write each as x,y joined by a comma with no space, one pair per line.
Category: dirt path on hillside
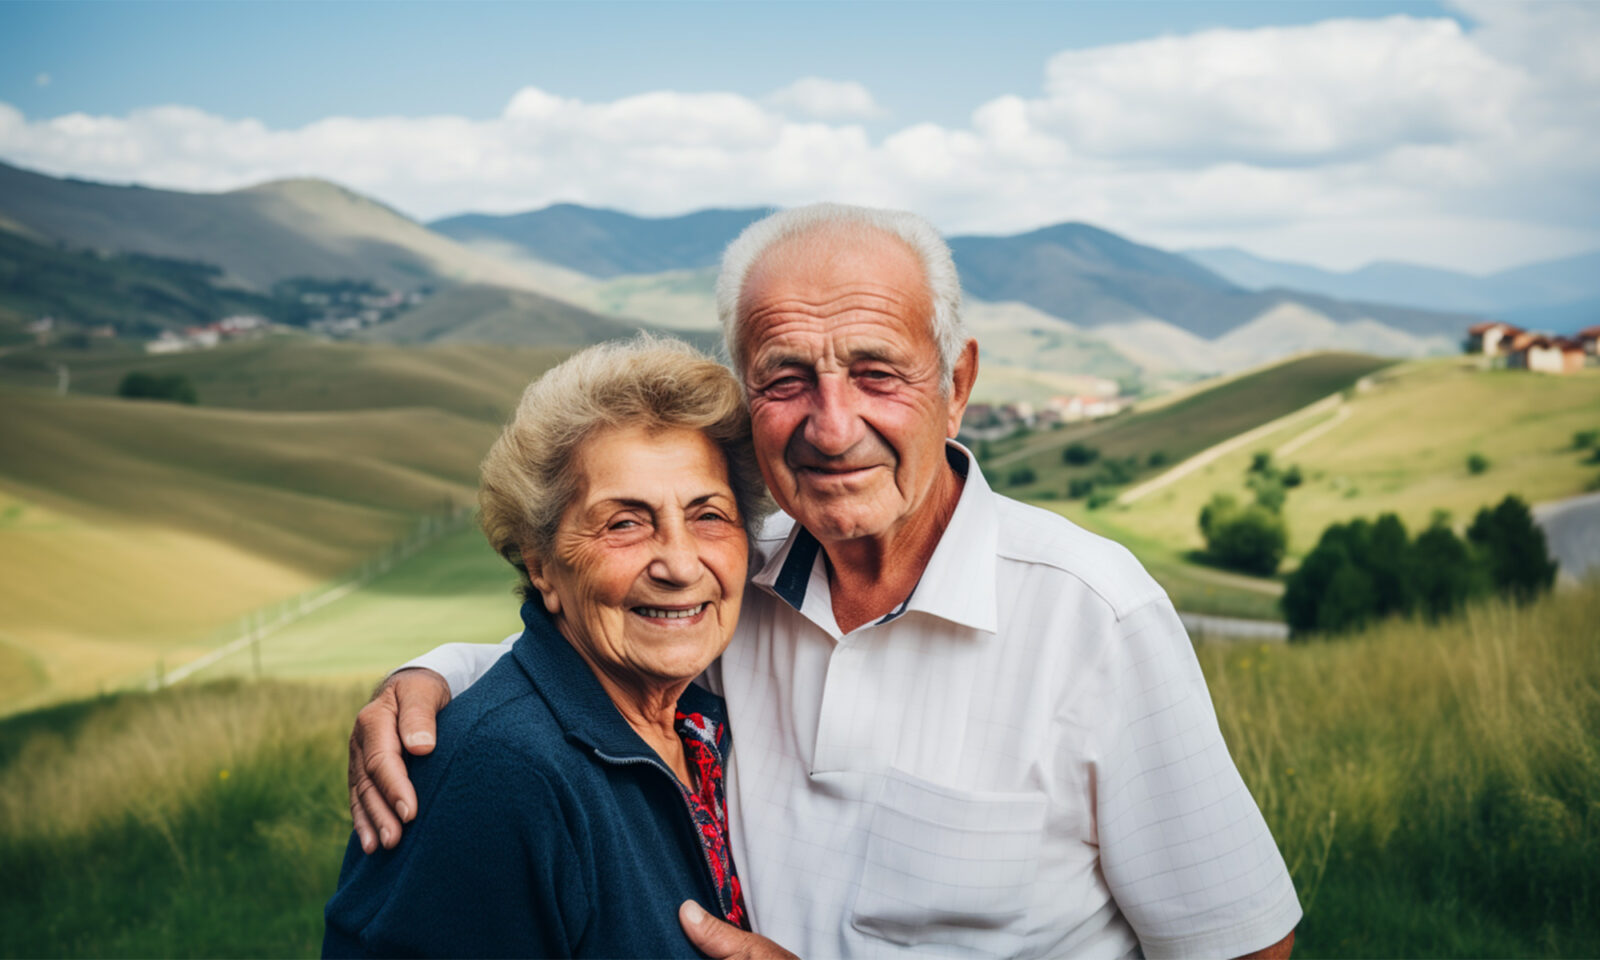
1213,453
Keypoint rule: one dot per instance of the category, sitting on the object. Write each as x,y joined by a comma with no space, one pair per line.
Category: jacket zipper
705,857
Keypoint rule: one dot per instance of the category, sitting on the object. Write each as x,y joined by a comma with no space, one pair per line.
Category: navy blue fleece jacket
546,828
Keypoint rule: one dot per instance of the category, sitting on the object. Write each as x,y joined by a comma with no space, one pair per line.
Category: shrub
1444,573
1270,491
1292,477
1261,462
175,387
1586,440
1477,463
1021,476
1099,499
1114,472
1250,539
1078,454
1157,458
1079,487
1514,549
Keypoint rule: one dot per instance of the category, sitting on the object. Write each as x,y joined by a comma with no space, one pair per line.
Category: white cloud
1339,142
824,99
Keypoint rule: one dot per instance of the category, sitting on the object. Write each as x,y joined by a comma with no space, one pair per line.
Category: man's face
846,398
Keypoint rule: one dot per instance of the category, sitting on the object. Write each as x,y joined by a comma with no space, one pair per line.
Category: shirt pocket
948,867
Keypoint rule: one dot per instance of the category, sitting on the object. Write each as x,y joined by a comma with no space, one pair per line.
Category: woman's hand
381,796
724,941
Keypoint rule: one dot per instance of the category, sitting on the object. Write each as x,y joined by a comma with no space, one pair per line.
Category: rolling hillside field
133,531
1431,789
1179,426
1400,446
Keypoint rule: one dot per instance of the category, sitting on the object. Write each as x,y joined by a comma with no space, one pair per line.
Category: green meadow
1401,445
1432,789
134,533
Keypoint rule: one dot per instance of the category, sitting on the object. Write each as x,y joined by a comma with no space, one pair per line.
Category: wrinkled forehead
836,268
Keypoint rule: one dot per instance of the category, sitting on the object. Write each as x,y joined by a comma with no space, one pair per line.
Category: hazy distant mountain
258,235
1558,291
1093,277
604,243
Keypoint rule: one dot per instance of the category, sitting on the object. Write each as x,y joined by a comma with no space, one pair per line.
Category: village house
1589,337
1485,338
1543,354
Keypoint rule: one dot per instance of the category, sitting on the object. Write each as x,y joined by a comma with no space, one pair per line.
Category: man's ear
962,377
534,564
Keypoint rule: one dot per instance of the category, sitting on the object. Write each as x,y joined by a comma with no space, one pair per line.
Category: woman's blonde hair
526,480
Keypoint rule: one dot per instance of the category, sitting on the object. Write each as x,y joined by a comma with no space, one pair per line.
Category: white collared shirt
1022,760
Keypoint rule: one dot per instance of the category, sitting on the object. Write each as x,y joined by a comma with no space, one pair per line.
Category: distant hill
1093,277
133,292
258,235
604,243
484,314
1554,293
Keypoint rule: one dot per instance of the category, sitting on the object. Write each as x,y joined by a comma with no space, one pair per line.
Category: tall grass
205,821
1436,790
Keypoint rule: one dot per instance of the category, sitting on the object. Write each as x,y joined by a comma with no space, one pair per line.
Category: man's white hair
944,286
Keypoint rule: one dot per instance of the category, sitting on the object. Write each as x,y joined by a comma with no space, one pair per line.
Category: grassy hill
1431,789
1180,425
130,531
1400,446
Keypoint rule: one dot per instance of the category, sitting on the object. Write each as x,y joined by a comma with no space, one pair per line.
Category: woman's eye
623,524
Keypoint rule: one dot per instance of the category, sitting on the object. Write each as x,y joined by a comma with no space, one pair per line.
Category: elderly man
962,724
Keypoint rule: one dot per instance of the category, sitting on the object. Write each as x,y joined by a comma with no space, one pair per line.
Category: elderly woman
576,798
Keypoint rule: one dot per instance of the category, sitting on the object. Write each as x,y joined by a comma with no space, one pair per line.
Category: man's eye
784,387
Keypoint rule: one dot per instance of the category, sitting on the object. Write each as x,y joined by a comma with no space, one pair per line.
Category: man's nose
833,426
677,560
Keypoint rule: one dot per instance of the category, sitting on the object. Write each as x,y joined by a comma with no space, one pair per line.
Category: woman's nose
676,561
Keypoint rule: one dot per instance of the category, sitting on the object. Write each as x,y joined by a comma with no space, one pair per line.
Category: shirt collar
577,700
957,584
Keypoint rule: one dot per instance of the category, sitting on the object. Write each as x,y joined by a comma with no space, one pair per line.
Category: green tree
1079,487
1388,565
1078,454
1477,463
1444,572
1021,476
1250,539
1514,549
141,385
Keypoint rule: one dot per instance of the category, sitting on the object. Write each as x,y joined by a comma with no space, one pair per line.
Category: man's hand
724,941
381,796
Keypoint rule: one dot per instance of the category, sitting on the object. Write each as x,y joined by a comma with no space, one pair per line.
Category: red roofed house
1543,354
1485,338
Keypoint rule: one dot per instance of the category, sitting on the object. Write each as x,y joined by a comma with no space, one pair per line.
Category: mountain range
1560,295
1066,299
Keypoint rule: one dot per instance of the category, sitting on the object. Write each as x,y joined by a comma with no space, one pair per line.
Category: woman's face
647,569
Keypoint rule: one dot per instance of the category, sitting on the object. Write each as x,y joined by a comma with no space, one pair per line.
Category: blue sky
1465,135
290,63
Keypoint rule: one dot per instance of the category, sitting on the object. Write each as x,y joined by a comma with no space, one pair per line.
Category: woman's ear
536,576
